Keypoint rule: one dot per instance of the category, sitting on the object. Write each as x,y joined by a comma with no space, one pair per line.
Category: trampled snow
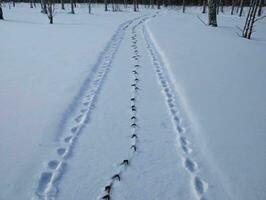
182,102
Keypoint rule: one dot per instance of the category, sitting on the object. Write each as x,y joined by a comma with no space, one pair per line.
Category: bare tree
183,6
105,5
51,11
72,7
31,4
43,6
89,6
62,5
135,5
158,4
204,6
233,7
241,8
1,11
250,19
212,13
260,8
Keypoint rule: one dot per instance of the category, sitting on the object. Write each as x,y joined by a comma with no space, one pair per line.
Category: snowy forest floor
173,108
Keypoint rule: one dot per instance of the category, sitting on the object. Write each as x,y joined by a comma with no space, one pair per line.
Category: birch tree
250,19
212,13
1,11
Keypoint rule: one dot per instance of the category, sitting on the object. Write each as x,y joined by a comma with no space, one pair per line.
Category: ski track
76,117
135,88
199,186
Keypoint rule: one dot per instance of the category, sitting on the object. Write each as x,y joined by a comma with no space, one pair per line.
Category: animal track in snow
162,75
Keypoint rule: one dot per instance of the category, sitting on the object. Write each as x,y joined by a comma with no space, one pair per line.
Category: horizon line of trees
214,7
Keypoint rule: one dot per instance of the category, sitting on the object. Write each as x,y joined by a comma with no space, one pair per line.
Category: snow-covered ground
74,94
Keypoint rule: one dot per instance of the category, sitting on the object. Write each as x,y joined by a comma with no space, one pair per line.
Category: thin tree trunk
233,7
204,6
217,6
222,6
135,5
250,30
158,5
72,7
89,6
105,5
62,5
241,8
1,12
248,19
212,13
184,6
50,12
260,8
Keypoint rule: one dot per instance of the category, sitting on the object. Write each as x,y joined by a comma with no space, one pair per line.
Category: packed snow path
133,143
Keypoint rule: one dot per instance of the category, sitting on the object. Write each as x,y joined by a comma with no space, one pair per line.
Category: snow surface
65,105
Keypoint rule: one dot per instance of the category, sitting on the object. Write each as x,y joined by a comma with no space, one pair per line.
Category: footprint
67,139
176,118
168,95
185,149
43,182
86,103
83,110
184,141
190,165
74,129
180,129
173,111
61,151
53,164
199,185
78,118
171,105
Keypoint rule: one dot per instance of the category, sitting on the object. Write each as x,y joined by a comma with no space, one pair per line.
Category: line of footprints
133,118
199,185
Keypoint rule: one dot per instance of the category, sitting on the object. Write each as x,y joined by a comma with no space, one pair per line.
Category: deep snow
201,107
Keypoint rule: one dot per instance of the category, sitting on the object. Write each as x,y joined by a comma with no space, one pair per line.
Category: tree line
212,6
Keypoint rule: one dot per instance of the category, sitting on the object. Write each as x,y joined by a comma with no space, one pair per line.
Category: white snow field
138,106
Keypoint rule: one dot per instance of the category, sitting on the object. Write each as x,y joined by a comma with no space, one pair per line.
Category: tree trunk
222,6
1,12
62,5
233,7
212,13
217,6
135,5
250,19
260,8
184,6
158,5
105,5
43,6
250,30
72,7
31,5
89,6
241,8
204,6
